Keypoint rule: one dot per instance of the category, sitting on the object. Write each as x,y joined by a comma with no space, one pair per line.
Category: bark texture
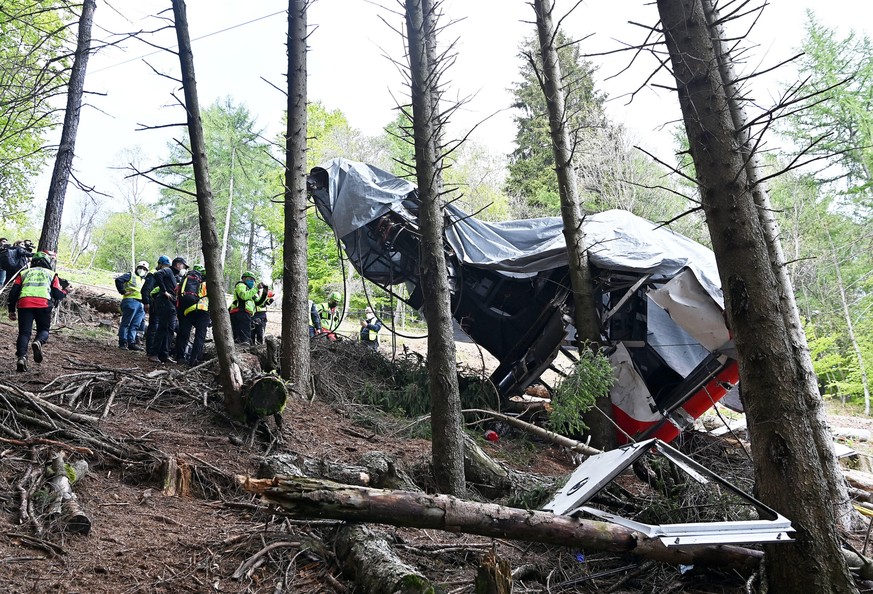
54,206
376,568
586,321
784,409
294,358
229,370
447,442
311,498
64,503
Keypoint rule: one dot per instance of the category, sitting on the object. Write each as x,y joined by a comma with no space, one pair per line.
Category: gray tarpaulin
619,240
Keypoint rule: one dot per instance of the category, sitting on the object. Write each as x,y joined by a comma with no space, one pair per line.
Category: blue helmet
164,261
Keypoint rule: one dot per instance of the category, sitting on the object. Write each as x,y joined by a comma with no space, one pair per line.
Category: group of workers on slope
176,300
325,319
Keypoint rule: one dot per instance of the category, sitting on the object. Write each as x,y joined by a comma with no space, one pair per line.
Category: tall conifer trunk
295,362
54,207
229,370
442,373
795,467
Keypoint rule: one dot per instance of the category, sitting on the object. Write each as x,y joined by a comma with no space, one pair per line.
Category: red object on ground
491,435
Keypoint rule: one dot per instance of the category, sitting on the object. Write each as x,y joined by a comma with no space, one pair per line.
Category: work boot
122,346
21,365
133,347
37,351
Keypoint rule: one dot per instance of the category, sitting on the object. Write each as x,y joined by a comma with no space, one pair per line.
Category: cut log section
64,504
375,567
106,304
266,395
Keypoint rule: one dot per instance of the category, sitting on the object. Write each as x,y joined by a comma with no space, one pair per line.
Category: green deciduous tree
34,69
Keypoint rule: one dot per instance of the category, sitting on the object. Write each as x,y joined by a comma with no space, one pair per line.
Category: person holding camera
370,327
15,257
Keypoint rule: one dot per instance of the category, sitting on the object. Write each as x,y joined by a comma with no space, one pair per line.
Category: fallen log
555,438
292,464
375,567
312,498
65,504
493,479
103,303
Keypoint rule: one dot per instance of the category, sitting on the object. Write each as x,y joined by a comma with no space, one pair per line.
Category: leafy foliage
839,129
34,65
592,377
238,156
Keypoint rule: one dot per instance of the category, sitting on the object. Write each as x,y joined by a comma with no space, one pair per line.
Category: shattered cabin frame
659,300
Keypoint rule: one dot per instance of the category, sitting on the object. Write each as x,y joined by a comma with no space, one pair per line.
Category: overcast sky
237,44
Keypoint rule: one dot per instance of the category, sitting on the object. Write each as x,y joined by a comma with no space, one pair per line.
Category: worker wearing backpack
246,296
193,310
129,285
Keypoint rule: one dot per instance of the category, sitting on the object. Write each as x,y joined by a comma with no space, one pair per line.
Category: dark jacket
148,284
166,280
14,259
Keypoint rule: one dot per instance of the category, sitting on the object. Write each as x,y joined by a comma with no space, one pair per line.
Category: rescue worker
193,313
246,296
164,305
370,327
329,312
148,292
132,311
314,319
259,318
33,292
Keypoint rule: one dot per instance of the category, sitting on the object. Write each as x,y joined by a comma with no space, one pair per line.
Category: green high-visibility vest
132,288
37,282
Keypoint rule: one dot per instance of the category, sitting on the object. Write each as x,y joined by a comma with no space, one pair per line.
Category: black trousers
150,331
259,327
26,317
199,320
166,323
241,323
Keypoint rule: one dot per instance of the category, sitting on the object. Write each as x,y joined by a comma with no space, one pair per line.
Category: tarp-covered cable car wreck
658,293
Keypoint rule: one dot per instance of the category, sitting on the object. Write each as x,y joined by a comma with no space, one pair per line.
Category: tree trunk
311,498
229,371
586,322
795,336
784,410
376,568
54,207
446,441
229,210
295,363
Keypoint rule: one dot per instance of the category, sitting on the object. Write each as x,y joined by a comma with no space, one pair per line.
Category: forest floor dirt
142,540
